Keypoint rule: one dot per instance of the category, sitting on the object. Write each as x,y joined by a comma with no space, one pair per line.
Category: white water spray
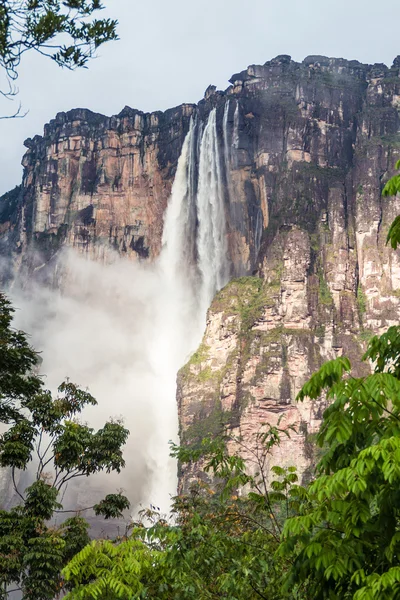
124,329
235,137
212,244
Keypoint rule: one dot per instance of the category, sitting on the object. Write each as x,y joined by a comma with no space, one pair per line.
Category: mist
107,330
123,329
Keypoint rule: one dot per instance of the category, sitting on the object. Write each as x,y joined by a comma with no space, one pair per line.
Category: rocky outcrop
304,151
95,183
287,132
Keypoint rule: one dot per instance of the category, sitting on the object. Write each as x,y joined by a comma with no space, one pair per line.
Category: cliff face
94,183
326,280
303,151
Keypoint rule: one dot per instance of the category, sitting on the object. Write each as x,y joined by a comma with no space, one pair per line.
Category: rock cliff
325,279
304,151
95,183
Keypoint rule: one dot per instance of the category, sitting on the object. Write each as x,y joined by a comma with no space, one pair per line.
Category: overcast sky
171,50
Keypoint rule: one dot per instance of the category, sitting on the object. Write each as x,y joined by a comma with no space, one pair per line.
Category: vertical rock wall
325,282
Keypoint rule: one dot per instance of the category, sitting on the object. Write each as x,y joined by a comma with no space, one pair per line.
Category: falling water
193,265
178,240
177,313
235,137
211,240
124,329
227,151
258,233
227,156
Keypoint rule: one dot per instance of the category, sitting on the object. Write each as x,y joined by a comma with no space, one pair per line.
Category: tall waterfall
124,329
192,266
235,140
211,241
227,148
258,232
178,240
194,235
227,153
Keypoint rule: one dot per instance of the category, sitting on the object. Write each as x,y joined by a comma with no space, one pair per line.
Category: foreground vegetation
43,435
244,536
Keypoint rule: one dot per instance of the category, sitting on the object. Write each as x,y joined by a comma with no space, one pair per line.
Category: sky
170,51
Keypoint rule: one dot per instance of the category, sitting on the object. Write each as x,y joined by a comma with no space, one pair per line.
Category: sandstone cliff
94,183
304,151
326,280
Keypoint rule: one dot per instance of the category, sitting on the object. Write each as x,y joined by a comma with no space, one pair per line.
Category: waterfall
235,137
192,266
178,240
125,328
258,233
211,240
194,235
227,154
227,151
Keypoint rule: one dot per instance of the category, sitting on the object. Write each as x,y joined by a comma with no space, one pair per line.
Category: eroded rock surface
305,149
325,279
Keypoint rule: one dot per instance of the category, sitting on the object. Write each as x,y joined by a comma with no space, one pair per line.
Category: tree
18,382
347,536
45,437
219,544
59,29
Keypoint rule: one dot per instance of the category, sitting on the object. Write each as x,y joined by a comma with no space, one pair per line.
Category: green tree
391,189
43,434
219,544
347,536
62,30
18,382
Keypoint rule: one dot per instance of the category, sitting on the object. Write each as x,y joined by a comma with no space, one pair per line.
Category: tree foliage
218,545
18,382
346,537
44,436
63,30
391,189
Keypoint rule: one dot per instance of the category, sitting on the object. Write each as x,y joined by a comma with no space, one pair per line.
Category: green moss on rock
361,301
213,424
324,295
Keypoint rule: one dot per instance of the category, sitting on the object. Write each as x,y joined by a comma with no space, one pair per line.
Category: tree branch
15,485
258,592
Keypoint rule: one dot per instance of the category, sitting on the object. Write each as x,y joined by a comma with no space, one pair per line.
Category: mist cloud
122,330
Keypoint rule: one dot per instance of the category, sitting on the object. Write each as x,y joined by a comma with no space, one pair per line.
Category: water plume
212,245
124,329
